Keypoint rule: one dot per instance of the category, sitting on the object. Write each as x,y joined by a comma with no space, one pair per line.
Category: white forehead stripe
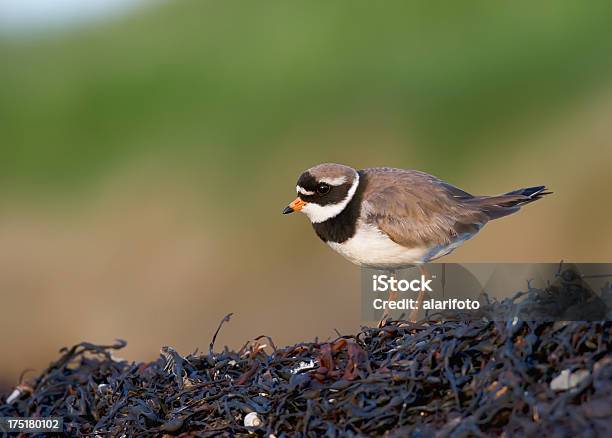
303,191
334,181
320,213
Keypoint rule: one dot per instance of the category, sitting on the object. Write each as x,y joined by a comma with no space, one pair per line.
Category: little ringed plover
387,218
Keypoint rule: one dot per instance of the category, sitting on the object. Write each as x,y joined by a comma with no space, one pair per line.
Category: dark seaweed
449,378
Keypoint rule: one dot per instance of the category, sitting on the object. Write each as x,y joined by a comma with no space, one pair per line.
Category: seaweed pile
458,378
432,378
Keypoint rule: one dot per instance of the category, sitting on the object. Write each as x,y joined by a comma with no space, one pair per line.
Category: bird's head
324,191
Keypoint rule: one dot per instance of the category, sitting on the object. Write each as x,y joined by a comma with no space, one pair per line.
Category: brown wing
417,209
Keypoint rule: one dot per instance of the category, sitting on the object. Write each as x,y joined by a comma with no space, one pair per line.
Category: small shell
104,388
14,395
568,380
303,366
19,390
252,420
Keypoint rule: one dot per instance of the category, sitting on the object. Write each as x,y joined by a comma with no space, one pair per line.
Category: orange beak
296,205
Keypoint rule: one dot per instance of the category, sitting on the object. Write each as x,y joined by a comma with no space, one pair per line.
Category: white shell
568,380
252,420
303,366
14,396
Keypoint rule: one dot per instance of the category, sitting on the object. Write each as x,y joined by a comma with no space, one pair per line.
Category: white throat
320,213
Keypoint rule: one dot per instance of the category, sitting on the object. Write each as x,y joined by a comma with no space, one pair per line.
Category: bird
388,218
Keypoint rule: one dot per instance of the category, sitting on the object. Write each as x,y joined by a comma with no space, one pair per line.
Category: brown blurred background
147,151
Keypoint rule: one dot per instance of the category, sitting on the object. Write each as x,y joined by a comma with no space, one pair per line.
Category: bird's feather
414,208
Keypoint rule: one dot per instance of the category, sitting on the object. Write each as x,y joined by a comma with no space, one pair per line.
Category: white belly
371,248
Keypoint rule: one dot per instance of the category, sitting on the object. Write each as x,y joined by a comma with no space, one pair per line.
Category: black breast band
342,227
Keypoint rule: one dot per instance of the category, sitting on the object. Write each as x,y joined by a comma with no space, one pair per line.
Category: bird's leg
392,297
414,314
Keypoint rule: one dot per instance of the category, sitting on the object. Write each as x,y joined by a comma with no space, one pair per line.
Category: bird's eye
323,188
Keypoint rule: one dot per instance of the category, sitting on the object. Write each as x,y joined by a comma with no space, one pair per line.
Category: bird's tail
508,203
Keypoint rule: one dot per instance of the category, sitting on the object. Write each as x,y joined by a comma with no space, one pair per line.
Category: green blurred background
145,157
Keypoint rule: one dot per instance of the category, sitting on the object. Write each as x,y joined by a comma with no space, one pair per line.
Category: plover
386,218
